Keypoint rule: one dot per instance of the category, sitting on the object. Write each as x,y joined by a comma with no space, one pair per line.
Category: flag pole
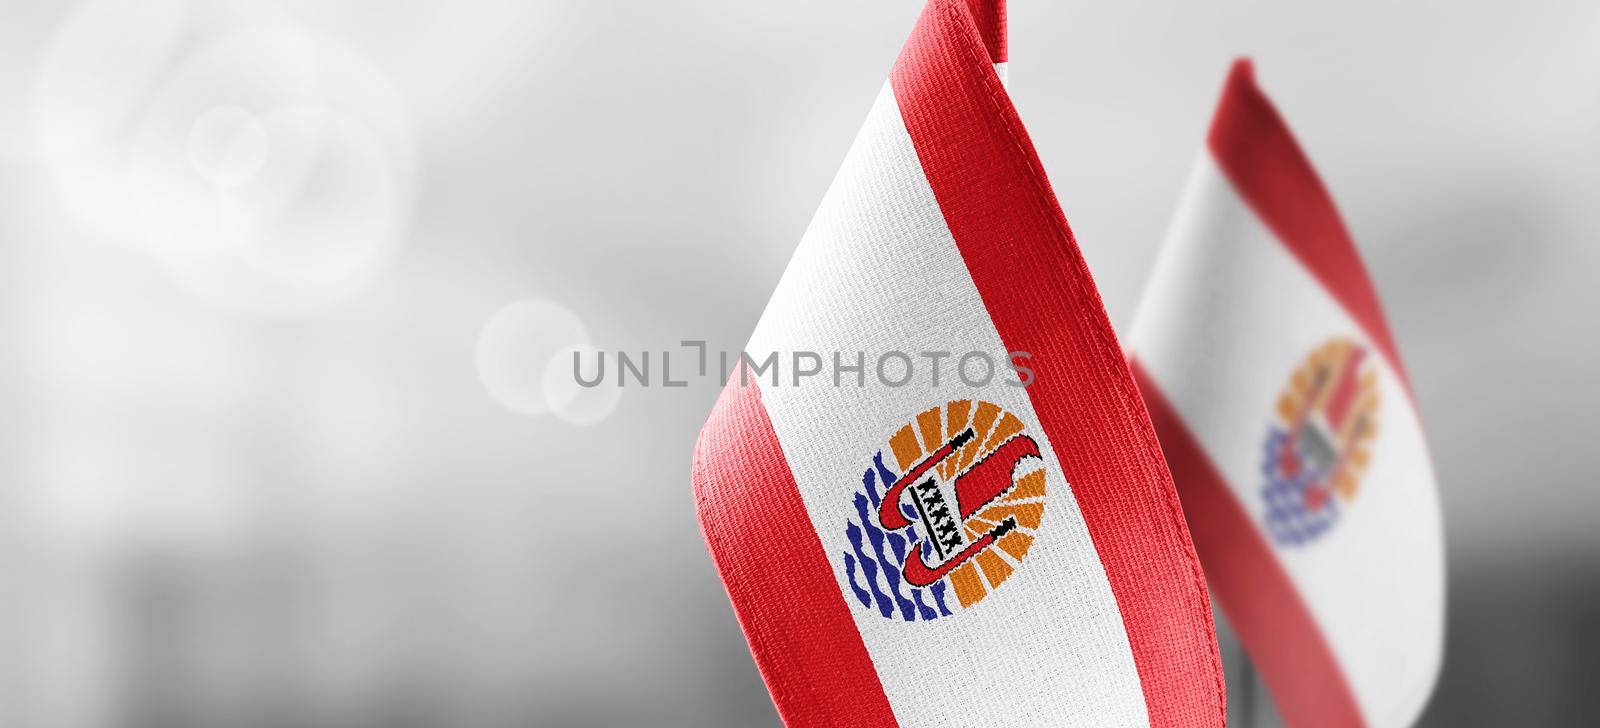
1242,681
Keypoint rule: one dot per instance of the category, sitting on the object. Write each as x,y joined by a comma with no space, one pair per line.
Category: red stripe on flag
777,574
1037,289
990,17
1273,623
1258,154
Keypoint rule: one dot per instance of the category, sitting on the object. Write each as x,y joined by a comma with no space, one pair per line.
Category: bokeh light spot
516,348
571,401
227,146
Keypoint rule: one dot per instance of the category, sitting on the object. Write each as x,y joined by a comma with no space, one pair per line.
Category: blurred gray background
278,282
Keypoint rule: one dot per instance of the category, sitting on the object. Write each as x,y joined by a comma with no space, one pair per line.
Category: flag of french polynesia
952,552
1290,427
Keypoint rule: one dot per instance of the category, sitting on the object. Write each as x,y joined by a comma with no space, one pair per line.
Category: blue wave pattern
873,563
1288,519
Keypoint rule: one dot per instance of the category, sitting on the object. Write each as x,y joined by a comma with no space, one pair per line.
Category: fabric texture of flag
1291,431
953,552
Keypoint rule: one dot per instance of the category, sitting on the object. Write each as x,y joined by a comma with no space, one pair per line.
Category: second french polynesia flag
952,552
1292,432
